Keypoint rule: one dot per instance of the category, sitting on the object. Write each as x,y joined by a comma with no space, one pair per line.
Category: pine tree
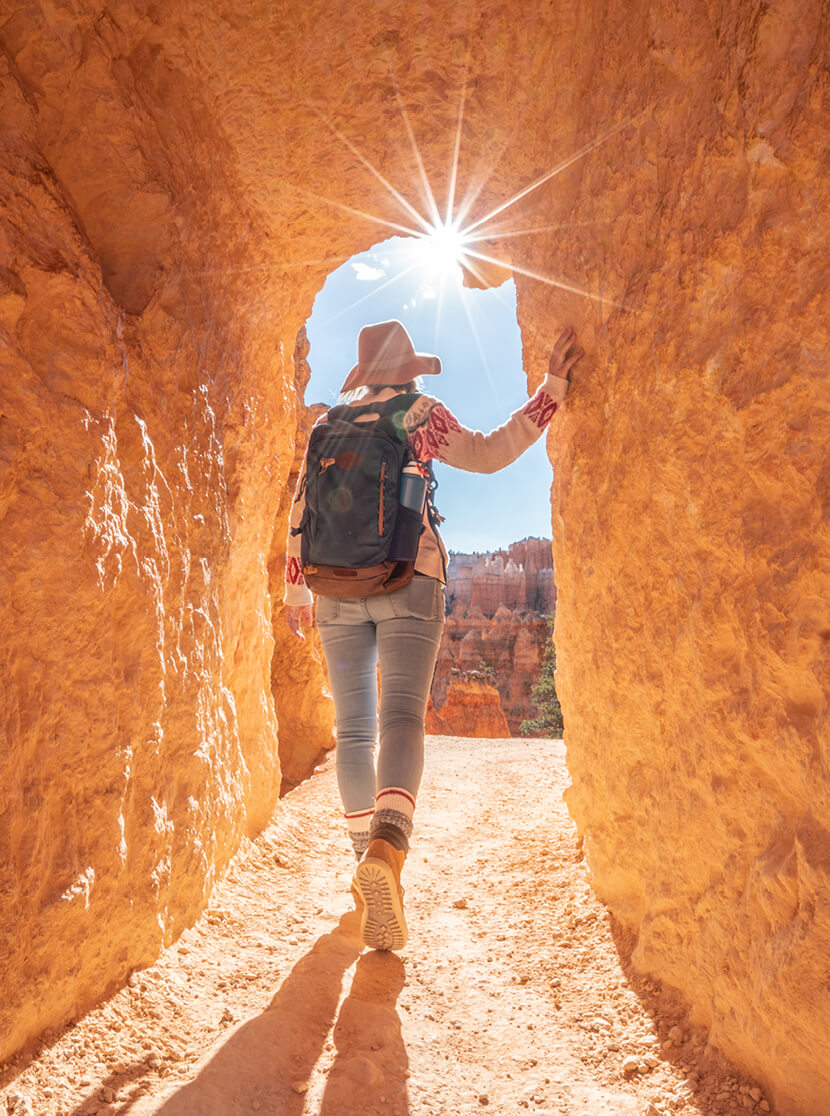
548,722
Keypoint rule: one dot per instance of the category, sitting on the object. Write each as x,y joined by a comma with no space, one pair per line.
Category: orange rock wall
691,536
306,723
162,240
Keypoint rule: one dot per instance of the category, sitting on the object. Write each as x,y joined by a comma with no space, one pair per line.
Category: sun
441,249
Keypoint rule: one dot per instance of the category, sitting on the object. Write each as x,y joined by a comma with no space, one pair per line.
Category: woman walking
402,628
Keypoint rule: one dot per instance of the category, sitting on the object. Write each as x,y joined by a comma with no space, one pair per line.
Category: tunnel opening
475,332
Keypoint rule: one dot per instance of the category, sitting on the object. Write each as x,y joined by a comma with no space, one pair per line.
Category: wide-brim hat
386,355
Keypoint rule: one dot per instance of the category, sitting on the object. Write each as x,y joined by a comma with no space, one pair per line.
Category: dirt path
512,994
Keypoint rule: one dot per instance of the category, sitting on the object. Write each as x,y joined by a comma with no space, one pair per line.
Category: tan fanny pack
338,581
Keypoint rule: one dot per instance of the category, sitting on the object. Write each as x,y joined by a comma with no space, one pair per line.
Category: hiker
402,627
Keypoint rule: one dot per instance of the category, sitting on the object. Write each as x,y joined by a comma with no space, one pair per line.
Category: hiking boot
378,880
357,898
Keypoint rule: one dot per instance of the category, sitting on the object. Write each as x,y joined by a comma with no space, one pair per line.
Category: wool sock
394,808
359,823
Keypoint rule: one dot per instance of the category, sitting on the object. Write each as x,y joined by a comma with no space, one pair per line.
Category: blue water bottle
413,493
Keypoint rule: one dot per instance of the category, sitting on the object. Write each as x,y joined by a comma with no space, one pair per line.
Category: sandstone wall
162,241
306,723
691,501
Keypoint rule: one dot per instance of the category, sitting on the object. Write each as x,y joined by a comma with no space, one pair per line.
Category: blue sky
476,335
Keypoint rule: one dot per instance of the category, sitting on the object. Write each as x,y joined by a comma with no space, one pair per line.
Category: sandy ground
513,994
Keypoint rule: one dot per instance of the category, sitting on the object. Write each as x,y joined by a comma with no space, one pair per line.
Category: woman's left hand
297,616
566,352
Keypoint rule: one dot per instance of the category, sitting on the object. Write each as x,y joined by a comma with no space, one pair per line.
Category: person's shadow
266,1064
370,1070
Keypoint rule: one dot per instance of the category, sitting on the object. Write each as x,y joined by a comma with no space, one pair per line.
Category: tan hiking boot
378,880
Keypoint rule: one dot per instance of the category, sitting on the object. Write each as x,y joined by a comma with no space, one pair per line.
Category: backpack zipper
380,505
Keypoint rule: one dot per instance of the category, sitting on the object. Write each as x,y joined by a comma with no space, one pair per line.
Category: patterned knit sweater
436,434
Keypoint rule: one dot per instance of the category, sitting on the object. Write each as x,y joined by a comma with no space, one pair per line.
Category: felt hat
386,355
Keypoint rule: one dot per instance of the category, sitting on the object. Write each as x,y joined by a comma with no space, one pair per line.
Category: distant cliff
497,605
520,577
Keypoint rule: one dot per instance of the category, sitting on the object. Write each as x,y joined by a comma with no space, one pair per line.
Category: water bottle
413,492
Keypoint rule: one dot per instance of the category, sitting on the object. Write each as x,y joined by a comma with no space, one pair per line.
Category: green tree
487,671
548,722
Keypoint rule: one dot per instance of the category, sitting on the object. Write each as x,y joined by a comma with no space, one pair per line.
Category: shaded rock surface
306,723
162,238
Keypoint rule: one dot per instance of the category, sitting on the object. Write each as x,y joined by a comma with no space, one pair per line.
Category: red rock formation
433,722
472,708
159,170
510,644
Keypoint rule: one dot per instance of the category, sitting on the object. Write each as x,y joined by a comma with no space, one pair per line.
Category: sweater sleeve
441,436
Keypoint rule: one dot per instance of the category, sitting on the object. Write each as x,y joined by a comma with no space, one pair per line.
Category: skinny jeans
402,630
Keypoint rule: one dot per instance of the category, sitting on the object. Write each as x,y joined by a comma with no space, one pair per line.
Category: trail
513,994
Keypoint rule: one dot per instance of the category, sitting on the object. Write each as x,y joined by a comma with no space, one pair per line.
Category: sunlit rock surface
163,237
472,708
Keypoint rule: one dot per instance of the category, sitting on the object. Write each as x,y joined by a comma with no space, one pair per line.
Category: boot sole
383,925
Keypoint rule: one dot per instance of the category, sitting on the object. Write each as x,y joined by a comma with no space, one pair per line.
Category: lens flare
442,249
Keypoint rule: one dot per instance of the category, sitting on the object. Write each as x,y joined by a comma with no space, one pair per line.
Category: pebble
299,1086
18,1104
631,1065
764,1106
483,1099
461,905
755,1093
676,1035
652,1061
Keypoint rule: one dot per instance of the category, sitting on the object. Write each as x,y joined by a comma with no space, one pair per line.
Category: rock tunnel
177,182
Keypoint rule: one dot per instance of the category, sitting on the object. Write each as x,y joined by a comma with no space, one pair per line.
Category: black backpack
357,539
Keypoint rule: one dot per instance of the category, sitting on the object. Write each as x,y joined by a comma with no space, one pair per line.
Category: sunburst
453,241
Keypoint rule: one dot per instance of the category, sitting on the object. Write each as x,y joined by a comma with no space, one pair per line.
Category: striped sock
394,808
358,824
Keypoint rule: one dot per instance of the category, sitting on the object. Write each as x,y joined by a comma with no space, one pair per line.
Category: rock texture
306,724
176,183
473,708
510,644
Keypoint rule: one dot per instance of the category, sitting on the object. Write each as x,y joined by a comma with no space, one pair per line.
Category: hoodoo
177,182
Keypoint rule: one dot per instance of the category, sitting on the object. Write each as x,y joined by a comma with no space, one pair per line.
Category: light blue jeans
403,630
